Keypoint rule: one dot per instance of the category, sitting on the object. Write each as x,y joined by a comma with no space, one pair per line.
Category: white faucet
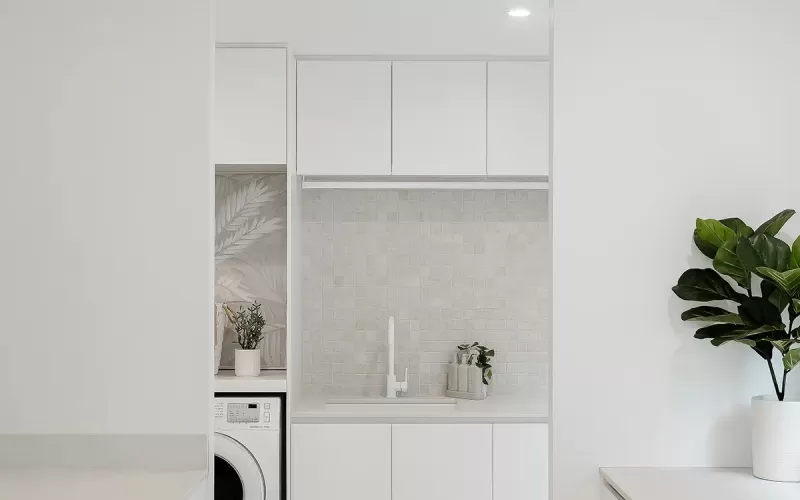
392,385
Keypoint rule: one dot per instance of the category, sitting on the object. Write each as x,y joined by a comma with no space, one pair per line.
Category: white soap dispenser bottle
475,377
463,375
452,374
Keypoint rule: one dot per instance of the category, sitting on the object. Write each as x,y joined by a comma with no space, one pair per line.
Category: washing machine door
237,475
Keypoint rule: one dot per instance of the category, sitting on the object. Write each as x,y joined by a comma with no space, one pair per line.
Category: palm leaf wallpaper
250,256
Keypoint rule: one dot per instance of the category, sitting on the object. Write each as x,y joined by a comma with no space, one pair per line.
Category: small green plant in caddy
482,357
249,325
767,269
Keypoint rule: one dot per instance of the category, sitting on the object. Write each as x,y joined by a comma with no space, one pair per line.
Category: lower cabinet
520,457
419,461
441,461
341,462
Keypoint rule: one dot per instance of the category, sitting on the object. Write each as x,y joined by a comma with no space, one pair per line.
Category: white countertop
268,381
71,484
494,409
695,484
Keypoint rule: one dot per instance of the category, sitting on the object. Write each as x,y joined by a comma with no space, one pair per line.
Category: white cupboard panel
518,118
250,106
520,458
439,118
441,461
341,462
344,117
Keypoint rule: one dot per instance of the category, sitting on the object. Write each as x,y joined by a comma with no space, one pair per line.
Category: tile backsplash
451,266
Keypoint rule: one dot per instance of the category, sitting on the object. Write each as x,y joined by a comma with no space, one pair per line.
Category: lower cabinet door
341,462
520,461
441,461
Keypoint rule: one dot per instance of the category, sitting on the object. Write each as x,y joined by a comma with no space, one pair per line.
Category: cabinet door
520,458
341,462
344,117
518,118
250,106
439,118
438,461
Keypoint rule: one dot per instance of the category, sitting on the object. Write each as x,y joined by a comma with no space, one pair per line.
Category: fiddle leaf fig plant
767,270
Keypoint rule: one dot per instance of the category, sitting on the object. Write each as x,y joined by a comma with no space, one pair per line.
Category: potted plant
249,324
763,316
483,357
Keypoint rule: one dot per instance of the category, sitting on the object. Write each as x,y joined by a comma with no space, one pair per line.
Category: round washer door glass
237,475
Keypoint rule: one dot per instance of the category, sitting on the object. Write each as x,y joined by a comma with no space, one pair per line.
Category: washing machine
248,447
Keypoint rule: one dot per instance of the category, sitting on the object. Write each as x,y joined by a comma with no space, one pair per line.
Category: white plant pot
776,439
248,362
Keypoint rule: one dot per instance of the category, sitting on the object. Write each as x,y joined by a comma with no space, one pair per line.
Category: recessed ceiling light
519,12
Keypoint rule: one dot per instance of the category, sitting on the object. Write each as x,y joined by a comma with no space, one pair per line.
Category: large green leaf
795,261
744,333
706,249
763,250
727,262
788,281
775,295
716,331
741,229
758,311
791,359
796,305
712,315
714,232
783,345
705,285
772,226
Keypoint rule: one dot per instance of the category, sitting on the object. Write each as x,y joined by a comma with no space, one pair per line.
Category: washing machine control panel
240,413
243,412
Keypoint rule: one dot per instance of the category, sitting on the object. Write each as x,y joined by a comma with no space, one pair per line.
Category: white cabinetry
434,461
518,118
520,458
250,106
439,118
344,117
341,462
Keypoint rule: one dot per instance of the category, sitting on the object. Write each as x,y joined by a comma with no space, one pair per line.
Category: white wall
370,27
106,208
664,111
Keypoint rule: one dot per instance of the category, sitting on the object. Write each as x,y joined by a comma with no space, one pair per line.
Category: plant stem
774,380
783,386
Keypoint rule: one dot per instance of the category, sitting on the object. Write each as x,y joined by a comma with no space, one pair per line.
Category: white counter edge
302,418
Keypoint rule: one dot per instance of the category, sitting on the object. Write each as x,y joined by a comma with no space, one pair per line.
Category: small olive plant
249,324
482,358
768,271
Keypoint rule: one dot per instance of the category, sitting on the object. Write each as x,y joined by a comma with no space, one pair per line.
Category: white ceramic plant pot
776,439
248,362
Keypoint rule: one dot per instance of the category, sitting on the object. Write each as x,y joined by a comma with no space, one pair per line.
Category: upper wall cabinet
344,117
366,27
518,118
439,118
250,106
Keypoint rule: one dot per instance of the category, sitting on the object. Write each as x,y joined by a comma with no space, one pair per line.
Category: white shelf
268,381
